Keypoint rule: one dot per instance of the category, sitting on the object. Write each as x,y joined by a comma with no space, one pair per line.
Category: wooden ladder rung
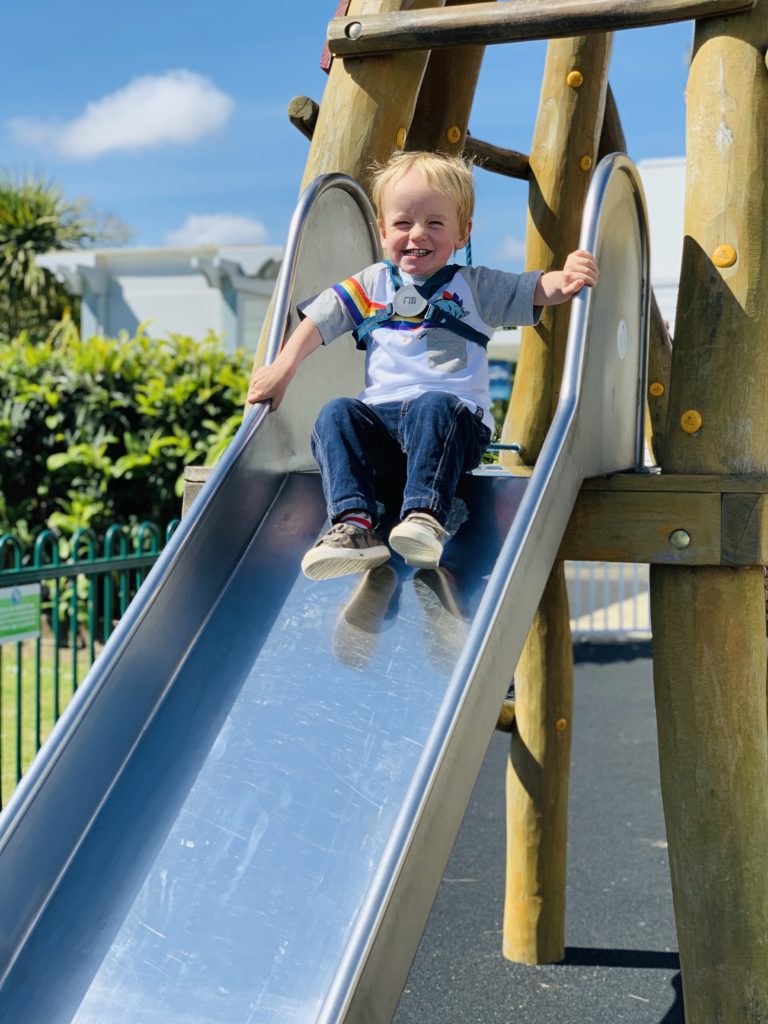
303,111
488,23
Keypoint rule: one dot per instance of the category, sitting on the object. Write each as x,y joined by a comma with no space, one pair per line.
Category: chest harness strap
433,315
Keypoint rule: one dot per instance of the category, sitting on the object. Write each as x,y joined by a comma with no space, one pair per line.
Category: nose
418,230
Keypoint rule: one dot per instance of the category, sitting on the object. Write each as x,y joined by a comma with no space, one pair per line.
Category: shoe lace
430,523
345,528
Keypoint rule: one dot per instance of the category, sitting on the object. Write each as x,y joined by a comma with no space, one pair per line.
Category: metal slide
245,812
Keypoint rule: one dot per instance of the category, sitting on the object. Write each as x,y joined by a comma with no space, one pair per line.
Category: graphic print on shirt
446,351
360,306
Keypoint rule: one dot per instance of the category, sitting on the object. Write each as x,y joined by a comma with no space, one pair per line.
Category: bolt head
680,539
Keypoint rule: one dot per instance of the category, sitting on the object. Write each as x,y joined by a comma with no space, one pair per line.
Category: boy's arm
270,382
579,270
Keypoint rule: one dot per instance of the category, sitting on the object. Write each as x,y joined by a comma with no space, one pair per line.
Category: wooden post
368,104
365,113
564,150
445,98
709,623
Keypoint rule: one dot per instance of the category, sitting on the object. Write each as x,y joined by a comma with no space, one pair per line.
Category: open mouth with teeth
417,252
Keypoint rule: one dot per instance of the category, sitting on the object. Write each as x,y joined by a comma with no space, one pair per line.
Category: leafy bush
99,429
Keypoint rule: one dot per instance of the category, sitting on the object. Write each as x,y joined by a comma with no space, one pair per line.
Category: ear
461,242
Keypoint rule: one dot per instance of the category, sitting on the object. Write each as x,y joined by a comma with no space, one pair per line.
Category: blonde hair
450,175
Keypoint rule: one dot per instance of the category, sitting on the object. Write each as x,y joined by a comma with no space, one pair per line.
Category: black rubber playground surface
621,960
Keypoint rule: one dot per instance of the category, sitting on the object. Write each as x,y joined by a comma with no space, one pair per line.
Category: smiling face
419,226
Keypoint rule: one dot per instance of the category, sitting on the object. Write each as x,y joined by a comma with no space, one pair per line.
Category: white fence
608,600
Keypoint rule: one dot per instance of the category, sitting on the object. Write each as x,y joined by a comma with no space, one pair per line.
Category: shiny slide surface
245,812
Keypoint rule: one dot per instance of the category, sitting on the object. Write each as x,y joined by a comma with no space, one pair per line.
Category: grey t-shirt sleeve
327,314
502,299
329,311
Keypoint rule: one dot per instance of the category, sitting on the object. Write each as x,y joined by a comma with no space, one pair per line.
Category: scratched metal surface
220,877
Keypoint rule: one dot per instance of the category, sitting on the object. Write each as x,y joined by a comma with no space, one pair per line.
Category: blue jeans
431,440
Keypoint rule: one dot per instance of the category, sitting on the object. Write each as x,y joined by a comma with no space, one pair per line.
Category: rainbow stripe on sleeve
359,306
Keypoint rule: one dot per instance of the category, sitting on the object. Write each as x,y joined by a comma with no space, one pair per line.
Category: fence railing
608,601
59,602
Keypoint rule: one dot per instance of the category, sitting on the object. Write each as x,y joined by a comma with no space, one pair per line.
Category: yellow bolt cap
402,135
454,133
690,421
575,79
586,162
656,389
724,256
561,724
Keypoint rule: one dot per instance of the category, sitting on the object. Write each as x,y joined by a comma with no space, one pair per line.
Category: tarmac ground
621,963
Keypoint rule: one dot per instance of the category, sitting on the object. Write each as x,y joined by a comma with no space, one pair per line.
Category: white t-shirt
404,358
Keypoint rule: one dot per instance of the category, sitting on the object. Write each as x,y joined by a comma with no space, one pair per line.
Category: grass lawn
21,695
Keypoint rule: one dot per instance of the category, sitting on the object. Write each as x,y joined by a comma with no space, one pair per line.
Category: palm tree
35,217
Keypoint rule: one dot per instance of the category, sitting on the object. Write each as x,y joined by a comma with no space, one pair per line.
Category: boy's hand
558,286
268,384
580,269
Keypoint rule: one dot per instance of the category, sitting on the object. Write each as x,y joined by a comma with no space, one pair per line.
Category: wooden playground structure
402,75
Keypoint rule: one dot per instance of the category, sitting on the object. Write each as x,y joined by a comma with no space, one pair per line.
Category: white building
664,186
191,291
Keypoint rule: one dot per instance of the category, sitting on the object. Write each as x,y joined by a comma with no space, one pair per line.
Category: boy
424,323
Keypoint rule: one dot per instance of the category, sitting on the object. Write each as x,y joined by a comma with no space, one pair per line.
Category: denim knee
436,404
335,413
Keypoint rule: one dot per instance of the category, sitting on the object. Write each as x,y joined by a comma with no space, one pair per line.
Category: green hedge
99,429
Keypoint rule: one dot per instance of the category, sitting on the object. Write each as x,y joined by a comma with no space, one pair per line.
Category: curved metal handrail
182,536
285,281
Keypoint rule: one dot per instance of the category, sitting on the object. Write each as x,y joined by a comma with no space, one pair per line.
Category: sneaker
419,540
506,719
344,549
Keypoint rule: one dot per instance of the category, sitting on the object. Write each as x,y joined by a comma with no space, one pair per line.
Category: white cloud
511,249
153,110
217,229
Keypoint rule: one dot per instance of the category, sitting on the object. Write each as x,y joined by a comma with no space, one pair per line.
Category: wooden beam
745,529
615,520
627,526
497,160
634,518
302,113
489,23
563,152
682,483
445,99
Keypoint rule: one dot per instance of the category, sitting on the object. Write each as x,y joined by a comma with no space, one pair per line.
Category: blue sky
173,117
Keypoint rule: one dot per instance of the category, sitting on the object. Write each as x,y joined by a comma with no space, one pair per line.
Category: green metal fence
80,586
